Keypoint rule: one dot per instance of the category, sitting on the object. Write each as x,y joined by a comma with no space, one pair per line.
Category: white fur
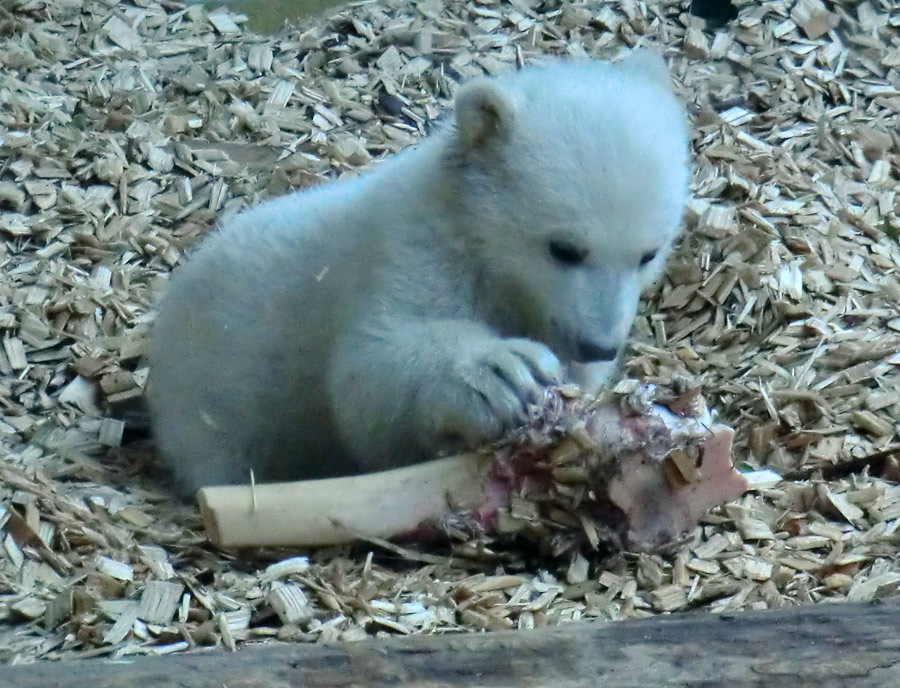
374,322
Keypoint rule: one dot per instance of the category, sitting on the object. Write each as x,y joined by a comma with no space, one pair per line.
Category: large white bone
645,472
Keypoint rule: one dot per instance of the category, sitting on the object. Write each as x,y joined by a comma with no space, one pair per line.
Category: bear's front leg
405,391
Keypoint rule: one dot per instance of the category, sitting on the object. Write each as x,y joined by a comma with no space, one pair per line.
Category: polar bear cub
422,306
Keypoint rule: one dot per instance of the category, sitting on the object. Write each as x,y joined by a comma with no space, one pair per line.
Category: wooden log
817,646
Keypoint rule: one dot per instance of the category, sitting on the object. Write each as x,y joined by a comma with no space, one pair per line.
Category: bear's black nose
588,352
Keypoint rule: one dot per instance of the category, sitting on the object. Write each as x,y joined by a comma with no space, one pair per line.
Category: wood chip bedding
128,129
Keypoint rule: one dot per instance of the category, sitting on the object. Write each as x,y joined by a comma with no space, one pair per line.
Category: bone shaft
341,510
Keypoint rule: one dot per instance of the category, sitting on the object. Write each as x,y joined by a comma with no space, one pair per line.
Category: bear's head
572,181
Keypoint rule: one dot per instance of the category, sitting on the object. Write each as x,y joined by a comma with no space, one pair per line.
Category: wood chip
287,567
123,626
122,34
159,601
223,22
290,603
116,569
111,431
868,421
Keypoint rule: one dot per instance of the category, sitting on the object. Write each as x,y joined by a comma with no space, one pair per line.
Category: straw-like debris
128,130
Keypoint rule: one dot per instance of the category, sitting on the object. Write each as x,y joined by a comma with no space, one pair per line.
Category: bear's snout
587,351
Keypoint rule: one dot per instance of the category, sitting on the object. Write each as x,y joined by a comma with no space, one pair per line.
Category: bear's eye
566,253
647,257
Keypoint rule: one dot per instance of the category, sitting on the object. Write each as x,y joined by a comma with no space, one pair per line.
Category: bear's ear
484,113
649,64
